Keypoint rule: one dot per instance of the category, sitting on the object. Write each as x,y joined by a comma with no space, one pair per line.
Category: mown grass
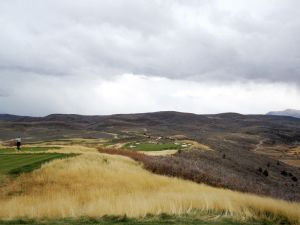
15,164
27,149
151,146
198,219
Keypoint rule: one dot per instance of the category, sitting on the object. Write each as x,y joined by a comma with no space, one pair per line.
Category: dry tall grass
78,149
99,184
159,153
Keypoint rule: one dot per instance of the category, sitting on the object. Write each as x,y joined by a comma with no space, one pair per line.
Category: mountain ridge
53,116
288,112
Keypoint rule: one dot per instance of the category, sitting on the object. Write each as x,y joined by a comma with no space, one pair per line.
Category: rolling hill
250,153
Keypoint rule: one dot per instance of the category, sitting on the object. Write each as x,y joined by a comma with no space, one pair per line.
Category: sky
114,56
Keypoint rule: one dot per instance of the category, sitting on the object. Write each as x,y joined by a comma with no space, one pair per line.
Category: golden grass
78,149
116,146
99,184
295,151
159,153
292,162
4,179
76,141
283,153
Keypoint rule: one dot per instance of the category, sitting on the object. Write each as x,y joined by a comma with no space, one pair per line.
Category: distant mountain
8,117
287,112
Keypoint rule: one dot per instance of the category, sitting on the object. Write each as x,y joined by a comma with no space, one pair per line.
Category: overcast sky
116,56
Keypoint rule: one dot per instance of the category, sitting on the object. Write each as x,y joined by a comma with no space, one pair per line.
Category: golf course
63,184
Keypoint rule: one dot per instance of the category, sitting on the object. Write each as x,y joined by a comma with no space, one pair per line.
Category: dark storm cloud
196,40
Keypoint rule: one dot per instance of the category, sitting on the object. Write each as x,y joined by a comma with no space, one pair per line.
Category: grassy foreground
95,185
197,219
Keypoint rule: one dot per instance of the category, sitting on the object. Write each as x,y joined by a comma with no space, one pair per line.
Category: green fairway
20,163
27,149
151,146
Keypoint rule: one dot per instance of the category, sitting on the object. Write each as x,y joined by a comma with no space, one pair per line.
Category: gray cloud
58,56
128,93
3,93
199,40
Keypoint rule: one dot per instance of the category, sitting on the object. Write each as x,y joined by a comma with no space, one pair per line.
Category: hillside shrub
266,173
284,173
294,179
202,168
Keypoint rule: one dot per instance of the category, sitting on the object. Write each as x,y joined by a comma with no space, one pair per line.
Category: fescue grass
151,146
96,185
21,163
159,153
76,141
76,149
